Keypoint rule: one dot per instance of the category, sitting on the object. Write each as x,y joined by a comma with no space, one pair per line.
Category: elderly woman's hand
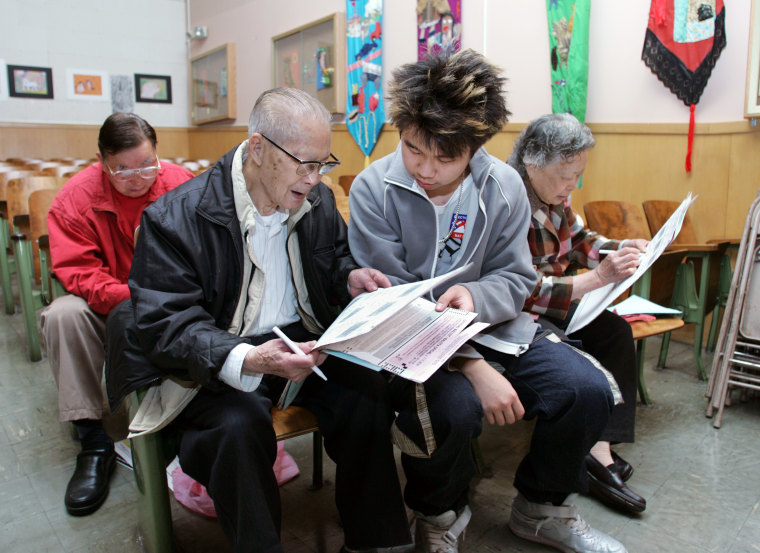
618,265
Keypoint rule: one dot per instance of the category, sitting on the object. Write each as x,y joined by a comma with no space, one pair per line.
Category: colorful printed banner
684,39
568,42
365,113
439,27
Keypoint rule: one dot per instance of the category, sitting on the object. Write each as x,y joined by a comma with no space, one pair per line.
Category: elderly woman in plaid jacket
550,155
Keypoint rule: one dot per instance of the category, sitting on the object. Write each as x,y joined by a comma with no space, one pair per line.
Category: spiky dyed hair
456,104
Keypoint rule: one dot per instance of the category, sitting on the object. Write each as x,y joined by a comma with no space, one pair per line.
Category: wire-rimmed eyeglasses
308,167
126,174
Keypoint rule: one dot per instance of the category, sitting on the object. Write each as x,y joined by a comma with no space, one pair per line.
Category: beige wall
631,162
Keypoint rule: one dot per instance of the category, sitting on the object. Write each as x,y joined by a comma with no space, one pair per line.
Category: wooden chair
703,267
620,220
152,452
7,263
342,204
61,170
27,263
345,182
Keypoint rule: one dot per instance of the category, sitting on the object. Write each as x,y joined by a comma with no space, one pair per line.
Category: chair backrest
616,220
658,212
19,189
342,204
345,182
39,205
4,178
60,170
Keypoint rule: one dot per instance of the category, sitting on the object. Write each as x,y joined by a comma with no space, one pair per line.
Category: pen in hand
295,349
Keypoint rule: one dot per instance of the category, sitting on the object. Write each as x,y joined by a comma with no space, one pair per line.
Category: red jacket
91,254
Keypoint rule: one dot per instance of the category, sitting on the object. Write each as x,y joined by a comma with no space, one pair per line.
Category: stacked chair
736,363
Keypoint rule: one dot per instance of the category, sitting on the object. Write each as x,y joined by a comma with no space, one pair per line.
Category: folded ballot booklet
396,330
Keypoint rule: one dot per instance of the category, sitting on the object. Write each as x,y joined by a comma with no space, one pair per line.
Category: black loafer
88,487
623,467
606,484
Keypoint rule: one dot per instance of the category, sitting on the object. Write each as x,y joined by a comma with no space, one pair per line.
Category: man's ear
100,159
255,148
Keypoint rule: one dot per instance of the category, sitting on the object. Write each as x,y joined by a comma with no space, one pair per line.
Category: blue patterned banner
365,113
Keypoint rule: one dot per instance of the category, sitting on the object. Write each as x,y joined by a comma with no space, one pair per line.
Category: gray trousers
74,336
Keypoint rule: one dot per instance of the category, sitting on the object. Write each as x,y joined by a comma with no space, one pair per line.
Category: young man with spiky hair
438,203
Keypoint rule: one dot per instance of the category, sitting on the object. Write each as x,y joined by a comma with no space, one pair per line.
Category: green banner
568,44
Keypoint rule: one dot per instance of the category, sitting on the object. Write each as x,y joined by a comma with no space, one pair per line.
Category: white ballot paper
594,302
394,329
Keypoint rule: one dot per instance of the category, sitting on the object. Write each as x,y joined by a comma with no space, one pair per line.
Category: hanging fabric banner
568,44
684,39
439,27
365,113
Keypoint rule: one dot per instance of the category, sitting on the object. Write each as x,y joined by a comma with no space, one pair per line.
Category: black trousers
609,339
229,446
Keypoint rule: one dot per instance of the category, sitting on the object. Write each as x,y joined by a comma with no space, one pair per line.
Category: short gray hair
279,111
548,139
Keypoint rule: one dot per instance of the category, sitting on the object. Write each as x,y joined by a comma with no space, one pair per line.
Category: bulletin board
213,85
312,57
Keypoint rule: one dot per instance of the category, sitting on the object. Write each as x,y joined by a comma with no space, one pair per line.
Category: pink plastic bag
194,496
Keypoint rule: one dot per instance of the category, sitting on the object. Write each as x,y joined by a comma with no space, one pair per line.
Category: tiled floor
702,484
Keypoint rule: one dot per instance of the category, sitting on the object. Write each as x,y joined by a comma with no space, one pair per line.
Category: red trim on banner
691,138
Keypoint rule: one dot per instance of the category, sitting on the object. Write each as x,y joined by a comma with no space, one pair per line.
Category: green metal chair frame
151,453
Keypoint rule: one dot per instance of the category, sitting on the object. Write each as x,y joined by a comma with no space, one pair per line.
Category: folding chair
736,363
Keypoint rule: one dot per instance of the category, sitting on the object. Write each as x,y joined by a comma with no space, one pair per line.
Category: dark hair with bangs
456,104
122,131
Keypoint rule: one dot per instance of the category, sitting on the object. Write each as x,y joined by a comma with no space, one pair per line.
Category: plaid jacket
559,242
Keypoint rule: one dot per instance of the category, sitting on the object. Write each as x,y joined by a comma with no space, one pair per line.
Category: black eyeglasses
308,167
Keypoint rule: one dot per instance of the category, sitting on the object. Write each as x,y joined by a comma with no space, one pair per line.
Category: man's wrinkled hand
366,280
275,357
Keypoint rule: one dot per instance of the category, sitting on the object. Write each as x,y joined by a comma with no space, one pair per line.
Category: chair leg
664,350
316,475
154,509
22,252
643,392
7,266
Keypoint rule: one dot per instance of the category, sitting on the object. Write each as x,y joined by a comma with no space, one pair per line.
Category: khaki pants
75,335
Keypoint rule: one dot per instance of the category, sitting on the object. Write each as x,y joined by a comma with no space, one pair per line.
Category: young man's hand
457,297
499,399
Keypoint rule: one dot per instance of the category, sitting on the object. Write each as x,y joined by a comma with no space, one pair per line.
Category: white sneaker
560,527
442,533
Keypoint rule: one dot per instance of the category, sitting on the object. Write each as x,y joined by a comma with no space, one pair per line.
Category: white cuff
232,370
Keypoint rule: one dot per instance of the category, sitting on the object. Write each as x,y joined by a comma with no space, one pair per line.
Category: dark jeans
569,397
610,340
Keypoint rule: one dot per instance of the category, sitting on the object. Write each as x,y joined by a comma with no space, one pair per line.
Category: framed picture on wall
212,85
30,82
88,85
156,89
752,96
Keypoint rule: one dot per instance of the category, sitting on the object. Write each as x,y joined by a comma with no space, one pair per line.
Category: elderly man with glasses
92,227
252,245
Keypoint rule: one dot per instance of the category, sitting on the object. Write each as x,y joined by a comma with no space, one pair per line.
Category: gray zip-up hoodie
394,228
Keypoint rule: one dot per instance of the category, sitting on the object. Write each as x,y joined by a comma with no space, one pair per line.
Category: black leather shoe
623,467
88,487
606,484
